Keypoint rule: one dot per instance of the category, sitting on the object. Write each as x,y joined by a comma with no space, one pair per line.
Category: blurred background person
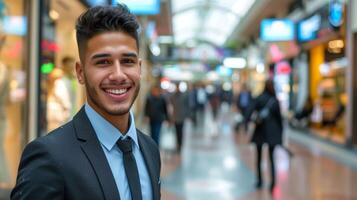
243,102
179,102
70,82
192,102
301,118
269,131
215,102
331,123
62,93
156,112
58,100
201,100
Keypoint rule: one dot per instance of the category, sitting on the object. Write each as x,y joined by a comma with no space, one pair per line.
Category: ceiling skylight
207,20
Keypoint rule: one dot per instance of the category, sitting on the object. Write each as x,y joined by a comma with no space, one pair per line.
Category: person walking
201,100
268,130
156,112
215,102
179,102
99,154
243,102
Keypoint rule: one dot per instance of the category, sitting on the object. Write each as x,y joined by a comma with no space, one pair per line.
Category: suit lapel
91,147
146,152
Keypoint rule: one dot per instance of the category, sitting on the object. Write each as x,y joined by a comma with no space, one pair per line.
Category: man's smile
117,91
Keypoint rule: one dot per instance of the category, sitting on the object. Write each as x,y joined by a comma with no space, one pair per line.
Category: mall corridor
217,163
201,66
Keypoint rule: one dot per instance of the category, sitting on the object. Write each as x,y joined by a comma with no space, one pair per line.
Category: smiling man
99,154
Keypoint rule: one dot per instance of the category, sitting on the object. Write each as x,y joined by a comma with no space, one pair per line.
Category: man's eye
102,62
128,61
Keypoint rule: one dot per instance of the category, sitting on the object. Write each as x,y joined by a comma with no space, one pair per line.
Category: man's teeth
117,91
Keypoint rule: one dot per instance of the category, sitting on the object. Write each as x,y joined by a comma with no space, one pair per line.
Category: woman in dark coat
269,131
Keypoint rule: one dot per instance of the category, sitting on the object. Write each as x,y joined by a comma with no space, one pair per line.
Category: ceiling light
183,86
235,62
155,49
54,15
165,84
227,86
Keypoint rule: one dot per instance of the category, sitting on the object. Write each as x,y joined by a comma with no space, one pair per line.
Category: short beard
116,112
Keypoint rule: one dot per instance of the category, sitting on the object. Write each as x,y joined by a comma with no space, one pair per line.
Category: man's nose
117,72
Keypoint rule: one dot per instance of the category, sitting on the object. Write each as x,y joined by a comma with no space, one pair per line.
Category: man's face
110,69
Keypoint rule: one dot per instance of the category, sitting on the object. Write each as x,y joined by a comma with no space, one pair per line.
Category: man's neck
121,122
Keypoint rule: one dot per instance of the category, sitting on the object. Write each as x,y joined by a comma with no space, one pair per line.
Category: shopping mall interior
216,56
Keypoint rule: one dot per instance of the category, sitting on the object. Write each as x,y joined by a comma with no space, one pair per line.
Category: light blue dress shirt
108,136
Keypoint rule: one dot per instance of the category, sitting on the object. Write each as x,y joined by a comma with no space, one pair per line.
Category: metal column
351,74
33,78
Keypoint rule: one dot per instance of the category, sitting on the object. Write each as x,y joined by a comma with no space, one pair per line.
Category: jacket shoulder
59,135
148,140
40,170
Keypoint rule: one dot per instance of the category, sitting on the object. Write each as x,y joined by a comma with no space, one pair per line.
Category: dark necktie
131,170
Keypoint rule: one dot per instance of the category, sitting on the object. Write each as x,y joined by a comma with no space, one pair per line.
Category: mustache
116,83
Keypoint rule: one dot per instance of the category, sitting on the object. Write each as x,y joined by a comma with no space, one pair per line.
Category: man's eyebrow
100,55
130,55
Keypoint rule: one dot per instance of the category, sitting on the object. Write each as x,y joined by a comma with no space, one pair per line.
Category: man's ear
80,72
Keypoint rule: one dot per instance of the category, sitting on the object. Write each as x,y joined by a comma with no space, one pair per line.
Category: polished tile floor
217,163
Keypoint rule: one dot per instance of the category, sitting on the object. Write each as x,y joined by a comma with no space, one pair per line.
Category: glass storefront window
61,95
13,73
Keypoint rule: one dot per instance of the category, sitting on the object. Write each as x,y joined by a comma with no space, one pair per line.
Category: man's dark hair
101,19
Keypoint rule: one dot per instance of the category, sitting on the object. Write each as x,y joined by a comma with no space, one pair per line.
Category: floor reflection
217,163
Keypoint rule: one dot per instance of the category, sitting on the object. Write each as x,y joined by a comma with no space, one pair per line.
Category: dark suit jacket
69,163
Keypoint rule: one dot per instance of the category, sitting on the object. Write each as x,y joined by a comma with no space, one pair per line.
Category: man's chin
118,112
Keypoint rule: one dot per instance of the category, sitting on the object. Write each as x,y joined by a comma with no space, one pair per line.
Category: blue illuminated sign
141,7
272,30
336,13
307,30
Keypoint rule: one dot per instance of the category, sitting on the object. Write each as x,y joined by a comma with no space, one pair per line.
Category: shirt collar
107,134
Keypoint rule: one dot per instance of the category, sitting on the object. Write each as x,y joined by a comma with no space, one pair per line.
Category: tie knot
125,145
